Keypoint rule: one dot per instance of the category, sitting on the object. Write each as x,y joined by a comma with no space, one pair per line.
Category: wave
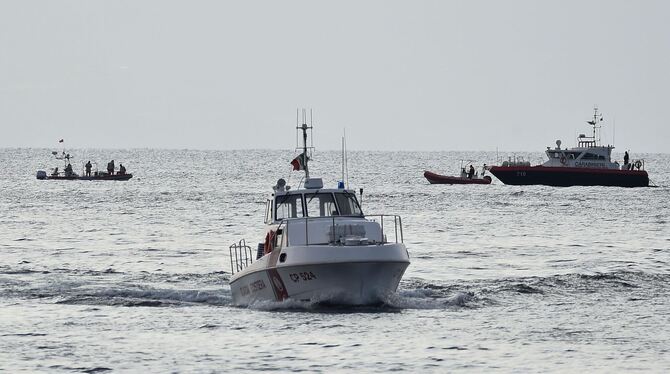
150,297
111,288
418,294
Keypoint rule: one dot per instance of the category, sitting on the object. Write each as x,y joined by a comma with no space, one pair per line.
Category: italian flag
299,162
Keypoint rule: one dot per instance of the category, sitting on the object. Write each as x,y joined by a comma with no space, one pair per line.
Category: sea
132,276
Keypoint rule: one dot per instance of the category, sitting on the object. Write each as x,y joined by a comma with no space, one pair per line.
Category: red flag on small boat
299,162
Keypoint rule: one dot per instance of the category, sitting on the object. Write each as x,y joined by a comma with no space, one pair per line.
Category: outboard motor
41,174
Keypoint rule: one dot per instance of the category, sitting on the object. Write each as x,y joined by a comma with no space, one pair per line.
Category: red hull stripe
277,285
562,169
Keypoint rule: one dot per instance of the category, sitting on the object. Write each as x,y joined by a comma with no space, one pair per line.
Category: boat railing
390,226
634,165
241,256
389,218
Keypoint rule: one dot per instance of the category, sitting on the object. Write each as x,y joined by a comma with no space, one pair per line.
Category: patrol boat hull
570,176
356,275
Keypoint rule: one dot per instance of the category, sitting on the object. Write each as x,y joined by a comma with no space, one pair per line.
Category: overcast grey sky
399,75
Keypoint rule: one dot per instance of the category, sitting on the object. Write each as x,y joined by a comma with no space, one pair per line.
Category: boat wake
150,297
110,288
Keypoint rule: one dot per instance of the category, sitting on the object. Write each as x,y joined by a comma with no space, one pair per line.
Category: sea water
133,276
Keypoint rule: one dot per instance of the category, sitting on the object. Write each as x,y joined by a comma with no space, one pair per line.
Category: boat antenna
311,122
345,160
594,123
304,127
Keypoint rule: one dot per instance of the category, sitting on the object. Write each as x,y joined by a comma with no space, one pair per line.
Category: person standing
626,158
88,168
110,167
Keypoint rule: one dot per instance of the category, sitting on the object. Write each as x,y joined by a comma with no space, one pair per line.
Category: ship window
268,211
590,156
348,204
320,205
288,206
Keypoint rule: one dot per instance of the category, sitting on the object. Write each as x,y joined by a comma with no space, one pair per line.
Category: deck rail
634,165
390,226
241,256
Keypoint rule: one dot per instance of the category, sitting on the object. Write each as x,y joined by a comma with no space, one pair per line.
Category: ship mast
596,118
304,127
304,149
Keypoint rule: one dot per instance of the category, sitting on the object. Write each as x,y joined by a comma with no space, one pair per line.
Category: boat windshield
289,206
348,204
320,205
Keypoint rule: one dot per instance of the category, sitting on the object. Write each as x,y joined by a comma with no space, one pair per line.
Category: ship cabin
317,216
587,154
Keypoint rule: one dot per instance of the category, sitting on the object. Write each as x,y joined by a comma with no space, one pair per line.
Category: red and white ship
588,164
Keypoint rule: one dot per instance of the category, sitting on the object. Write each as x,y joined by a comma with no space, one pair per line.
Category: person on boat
122,169
626,158
88,168
55,173
110,167
68,170
471,172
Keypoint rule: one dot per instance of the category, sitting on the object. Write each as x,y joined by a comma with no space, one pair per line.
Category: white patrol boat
588,164
319,247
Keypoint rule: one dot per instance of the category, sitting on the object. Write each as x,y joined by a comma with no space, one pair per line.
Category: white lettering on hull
582,164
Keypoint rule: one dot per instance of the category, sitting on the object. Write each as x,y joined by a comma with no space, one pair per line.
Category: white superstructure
588,153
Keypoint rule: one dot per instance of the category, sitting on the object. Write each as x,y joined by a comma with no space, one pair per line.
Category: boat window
348,204
288,206
591,156
268,211
320,205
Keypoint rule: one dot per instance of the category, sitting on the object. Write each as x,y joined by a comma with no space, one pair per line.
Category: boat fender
563,159
638,164
269,241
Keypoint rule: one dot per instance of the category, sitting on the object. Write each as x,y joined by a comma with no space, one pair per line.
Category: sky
397,75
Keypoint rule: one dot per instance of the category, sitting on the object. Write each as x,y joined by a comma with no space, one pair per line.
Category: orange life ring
563,160
269,242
